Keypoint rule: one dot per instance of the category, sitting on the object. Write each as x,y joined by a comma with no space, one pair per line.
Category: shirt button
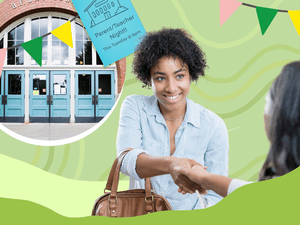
162,192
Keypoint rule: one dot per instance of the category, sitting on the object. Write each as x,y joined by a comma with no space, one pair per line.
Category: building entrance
12,96
94,95
49,97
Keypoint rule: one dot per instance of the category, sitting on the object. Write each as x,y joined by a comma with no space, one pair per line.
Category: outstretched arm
150,166
217,183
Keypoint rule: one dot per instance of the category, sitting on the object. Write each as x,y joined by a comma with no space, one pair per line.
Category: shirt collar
152,109
192,114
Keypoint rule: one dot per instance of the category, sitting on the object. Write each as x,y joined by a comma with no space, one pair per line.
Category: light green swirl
104,175
243,88
80,159
252,61
254,177
37,156
248,105
248,166
50,158
64,160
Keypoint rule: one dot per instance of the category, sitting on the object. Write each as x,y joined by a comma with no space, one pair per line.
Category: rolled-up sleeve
130,135
235,184
216,157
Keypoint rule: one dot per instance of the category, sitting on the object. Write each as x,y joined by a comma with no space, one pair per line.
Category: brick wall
12,10
121,68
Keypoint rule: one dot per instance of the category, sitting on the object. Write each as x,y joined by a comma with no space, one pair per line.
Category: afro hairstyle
176,43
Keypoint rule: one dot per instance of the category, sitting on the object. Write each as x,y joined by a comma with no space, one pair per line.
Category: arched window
39,27
60,50
15,56
83,47
54,51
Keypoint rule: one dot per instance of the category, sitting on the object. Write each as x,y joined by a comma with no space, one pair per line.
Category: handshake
189,175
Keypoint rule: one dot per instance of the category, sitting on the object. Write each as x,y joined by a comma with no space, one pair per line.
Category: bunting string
45,35
34,46
265,15
253,6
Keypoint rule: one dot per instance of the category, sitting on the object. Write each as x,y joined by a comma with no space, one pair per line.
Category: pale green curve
50,158
248,105
243,88
129,60
254,177
80,159
37,156
248,166
207,42
104,175
130,82
64,160
251,62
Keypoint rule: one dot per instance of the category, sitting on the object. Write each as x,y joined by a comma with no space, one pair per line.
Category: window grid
39,27
15,37
60,51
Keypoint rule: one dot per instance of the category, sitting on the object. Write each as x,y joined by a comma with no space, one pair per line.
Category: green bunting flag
265,17
34,49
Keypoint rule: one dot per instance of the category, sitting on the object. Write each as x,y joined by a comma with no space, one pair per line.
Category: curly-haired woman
168,130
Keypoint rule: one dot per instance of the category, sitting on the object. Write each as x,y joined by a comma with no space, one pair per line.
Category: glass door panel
84,96
60,96
105,92
39,100
14,90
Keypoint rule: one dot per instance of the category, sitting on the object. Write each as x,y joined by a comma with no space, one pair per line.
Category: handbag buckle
116,198
151,197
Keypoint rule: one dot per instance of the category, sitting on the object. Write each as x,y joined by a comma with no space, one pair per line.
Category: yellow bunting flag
295,17
64,33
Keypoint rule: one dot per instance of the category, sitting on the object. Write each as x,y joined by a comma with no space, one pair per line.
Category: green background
242,65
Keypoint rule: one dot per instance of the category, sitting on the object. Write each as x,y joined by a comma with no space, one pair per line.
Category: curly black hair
176,43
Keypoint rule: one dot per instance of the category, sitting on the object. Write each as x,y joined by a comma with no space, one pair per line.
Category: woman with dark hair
282,125
167,129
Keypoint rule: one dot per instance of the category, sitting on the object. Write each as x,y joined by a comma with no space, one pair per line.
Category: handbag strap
115,182
113,169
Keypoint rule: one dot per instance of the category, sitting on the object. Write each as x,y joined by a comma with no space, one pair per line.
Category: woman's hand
185,184
209,181
197,174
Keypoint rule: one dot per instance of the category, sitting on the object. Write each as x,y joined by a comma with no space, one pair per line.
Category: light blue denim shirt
202,136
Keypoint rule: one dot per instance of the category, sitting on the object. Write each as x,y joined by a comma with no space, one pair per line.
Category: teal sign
113,26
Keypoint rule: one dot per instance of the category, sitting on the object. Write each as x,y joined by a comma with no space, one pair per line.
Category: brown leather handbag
129,203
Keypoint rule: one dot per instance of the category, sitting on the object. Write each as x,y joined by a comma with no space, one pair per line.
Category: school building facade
71,85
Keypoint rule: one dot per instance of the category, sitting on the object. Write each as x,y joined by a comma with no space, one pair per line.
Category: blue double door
49,96
94,95
12,96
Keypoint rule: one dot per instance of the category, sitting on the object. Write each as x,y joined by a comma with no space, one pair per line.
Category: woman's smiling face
170,81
